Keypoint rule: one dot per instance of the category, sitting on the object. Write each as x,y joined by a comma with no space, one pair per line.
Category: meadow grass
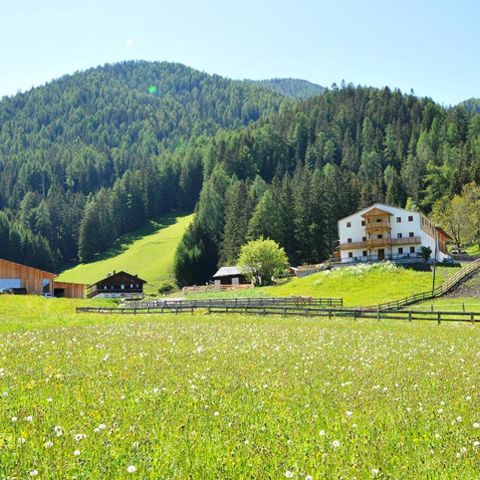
364,285
234,397
147,252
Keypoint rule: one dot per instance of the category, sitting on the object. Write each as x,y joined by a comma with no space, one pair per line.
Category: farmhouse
230,276
18,278
116,285
381,232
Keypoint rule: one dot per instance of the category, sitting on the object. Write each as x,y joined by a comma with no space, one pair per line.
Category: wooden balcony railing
379,226
380,242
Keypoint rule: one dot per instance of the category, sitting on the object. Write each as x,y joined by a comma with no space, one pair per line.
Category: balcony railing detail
380,242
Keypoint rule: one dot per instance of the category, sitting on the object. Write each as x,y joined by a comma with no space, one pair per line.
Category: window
364,239
350,254
363,223
411,234
349,240
379,236
410,218
379,219
399,235
365,253
400,250
399,219
349,224
412,249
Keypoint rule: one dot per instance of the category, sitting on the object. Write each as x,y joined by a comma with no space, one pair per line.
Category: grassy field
233,397
364,285
147,252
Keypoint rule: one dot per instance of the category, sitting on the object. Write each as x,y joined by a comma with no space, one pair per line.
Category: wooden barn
18,278
230,276
117,284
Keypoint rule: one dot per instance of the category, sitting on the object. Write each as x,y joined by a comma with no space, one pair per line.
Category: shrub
167,286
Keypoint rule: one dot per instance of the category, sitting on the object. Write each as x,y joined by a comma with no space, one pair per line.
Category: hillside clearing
234,396
147,252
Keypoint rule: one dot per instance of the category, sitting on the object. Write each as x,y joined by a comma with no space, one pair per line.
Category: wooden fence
215,288
461,276
297,310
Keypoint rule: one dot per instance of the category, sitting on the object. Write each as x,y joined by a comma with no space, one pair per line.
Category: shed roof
227,272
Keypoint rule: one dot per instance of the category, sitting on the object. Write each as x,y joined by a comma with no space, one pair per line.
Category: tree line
292,177
86,138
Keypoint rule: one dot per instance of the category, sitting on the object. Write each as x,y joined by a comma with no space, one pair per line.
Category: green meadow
147,252
363,285
233,397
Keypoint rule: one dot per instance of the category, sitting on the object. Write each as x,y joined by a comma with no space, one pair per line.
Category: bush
167,286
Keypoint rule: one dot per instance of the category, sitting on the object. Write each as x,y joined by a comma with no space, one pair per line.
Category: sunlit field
228,397
361,285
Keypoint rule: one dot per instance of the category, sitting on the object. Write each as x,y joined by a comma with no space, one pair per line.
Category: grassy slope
147,252
234,396
357,286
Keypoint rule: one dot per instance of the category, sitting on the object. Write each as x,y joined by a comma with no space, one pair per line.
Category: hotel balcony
379,243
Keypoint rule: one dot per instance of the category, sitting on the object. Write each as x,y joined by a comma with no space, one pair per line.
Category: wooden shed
117,284
18,278
68,289
230,276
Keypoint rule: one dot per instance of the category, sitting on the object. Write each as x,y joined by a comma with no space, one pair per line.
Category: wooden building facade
18,278
117,284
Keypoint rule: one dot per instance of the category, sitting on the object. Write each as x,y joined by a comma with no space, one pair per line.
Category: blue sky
429,46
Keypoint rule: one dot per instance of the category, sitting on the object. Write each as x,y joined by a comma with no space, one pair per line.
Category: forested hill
291,178
293,87
472,104
102,129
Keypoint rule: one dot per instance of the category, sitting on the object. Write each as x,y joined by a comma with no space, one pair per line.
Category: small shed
230,276
117,285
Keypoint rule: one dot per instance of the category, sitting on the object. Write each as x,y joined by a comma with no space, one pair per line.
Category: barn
117,284
230,276
18,278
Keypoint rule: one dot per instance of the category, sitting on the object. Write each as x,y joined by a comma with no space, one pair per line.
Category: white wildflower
131,469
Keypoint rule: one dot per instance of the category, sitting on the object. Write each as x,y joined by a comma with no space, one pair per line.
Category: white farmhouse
381,232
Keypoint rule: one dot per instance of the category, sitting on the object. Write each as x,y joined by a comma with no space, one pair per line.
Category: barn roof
117,274
227,272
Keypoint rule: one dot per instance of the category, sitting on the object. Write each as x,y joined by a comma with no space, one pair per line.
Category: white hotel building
381,232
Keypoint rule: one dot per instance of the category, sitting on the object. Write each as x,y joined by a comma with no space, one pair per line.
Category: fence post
438,318
330,313
409,315
472,317
463,304
378,314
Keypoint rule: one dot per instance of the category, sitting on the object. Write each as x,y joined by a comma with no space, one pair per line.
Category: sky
430,46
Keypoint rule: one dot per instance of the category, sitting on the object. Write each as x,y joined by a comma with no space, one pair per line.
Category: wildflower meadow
236,397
